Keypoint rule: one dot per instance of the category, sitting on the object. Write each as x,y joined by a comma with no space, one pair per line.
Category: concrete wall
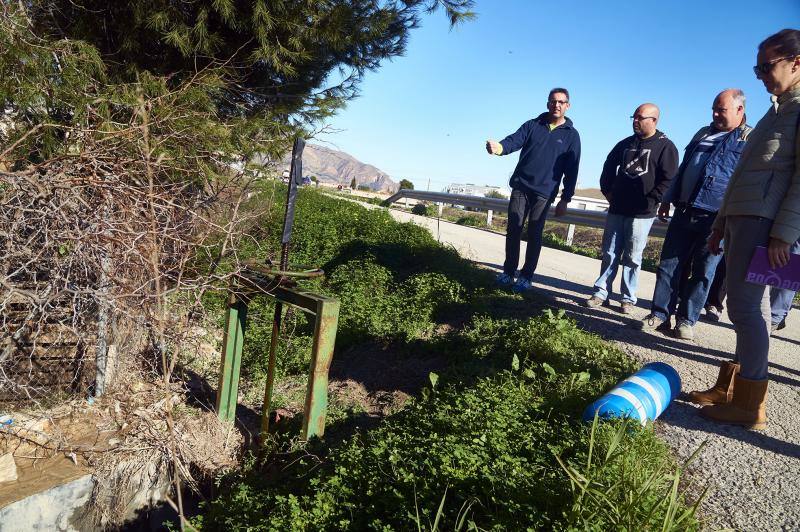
69,507
62,509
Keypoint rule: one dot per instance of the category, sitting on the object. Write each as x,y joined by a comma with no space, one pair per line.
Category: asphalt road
754,476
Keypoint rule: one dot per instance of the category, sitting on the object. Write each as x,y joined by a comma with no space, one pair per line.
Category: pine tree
405,183
276,57
125,125
261,72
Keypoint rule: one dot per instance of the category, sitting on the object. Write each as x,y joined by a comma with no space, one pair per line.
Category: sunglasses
767,66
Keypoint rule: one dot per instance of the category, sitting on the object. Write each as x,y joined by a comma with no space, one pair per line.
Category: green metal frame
326,311
230,365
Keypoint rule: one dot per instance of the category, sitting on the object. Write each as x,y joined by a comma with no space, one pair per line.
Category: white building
476,190
588,204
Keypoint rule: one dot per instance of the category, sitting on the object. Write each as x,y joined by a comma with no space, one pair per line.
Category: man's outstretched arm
511,143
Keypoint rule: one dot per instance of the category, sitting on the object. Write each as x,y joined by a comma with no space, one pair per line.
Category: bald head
727,111
645,119
649,109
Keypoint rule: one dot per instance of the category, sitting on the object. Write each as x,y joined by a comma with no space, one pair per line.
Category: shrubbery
470,221
421,209
497,452
495,442
393,279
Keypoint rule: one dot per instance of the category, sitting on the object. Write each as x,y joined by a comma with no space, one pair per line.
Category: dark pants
685,247
525,206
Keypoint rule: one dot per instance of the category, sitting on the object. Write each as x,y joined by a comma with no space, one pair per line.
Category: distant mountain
338,167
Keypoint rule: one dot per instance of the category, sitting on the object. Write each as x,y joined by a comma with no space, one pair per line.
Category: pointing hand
494,148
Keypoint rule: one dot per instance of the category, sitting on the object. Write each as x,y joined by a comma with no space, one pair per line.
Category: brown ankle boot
722,392
747,408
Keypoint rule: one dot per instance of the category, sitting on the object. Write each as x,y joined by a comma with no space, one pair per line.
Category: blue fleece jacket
546,156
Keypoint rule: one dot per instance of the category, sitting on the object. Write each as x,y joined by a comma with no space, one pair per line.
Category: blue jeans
780,299
684,246
624,239
525,206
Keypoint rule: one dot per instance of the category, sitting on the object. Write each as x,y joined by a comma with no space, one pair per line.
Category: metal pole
570,233
230,364
316,404
273,348
295,177
103,317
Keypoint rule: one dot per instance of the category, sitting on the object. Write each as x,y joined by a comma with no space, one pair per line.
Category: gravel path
754,476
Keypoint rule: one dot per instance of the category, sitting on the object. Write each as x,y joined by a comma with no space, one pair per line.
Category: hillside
338,167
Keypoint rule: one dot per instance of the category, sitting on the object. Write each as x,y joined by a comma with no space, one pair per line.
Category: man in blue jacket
551,149
697,193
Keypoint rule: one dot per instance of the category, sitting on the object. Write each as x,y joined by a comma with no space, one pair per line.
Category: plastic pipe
642,396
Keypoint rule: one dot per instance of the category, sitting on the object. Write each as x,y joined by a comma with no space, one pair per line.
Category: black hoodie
637,173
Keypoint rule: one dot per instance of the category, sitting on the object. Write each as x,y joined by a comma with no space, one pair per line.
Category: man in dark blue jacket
551,148
697,193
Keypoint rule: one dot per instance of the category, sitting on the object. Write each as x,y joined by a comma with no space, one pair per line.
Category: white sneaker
684,330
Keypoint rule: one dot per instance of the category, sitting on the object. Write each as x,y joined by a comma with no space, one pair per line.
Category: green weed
471,221
496,453
496,441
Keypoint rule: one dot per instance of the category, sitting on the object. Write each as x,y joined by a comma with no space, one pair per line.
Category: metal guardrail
572,217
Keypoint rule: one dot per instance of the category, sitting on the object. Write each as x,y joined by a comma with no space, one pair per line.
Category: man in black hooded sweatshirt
636,174
551,148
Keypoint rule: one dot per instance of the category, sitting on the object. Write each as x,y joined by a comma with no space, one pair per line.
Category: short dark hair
558,89
786,42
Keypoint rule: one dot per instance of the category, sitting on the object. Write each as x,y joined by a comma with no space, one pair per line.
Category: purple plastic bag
760,271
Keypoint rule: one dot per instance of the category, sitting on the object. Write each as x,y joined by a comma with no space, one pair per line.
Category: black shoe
778,326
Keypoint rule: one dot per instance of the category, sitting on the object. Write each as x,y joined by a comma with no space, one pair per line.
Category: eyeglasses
637,118
766,67
557,102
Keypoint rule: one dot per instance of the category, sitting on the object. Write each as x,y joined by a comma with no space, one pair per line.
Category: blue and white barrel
642,396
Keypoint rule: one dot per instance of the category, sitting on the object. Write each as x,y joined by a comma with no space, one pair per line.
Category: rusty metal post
230,365
295,178
316,404
273,348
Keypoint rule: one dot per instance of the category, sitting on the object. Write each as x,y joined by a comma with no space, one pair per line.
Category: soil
39,474
119,439
39,465
366,384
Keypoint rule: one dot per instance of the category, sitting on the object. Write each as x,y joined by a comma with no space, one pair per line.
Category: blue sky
425,116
